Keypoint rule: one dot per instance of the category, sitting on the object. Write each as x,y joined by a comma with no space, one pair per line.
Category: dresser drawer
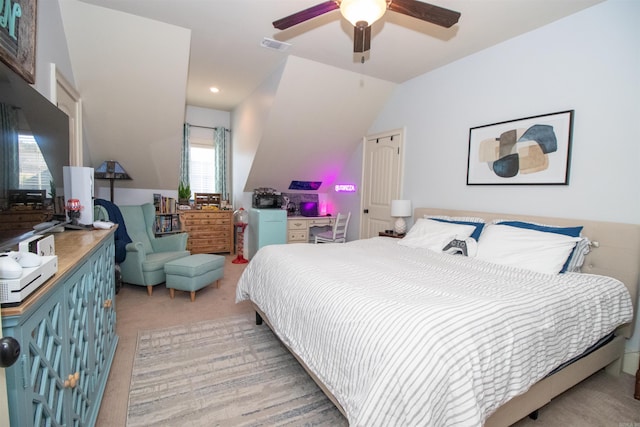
298,236
320,222
293,224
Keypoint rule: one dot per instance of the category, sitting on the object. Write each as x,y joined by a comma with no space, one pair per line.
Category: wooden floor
601,400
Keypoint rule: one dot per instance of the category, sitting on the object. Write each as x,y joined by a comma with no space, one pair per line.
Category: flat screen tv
24,110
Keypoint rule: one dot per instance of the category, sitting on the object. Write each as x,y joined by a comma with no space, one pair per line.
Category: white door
381,181
4,405
68,100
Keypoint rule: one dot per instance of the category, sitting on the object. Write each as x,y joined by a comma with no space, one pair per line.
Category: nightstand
392,234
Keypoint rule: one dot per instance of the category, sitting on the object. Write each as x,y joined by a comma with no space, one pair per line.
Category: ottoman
193,272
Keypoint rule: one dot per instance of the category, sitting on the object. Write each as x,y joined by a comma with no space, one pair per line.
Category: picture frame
18,37
532,150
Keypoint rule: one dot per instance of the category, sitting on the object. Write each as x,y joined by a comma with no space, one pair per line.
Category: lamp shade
368,11
111,169
400,208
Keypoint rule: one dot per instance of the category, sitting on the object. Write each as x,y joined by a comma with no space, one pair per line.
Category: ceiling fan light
363,10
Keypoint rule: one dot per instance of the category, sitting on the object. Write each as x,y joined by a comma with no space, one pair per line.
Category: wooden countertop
71,247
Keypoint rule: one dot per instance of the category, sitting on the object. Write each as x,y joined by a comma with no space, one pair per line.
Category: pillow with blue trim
478,223
576,258
521,247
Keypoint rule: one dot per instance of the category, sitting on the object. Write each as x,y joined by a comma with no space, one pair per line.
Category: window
202,162
34,173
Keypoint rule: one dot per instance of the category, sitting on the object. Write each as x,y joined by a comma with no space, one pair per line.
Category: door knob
9,351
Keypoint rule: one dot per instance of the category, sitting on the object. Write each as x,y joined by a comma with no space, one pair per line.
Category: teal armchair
146,254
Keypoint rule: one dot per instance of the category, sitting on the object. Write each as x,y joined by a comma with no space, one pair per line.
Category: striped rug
225,372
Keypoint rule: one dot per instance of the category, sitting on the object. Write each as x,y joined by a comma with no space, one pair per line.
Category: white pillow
435,235
520,247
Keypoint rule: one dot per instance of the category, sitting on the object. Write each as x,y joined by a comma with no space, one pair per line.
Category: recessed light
214,89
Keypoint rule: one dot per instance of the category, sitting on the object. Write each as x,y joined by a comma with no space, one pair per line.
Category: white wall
199,116
51,47
248,122
588,62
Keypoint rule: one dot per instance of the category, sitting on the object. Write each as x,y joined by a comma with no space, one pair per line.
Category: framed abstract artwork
18,37
531,150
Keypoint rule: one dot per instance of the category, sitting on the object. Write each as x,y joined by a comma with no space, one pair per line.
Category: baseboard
631,362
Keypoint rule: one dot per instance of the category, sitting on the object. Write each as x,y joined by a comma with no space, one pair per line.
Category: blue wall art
531,150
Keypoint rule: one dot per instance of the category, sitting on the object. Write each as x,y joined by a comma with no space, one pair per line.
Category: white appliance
13,291
78,184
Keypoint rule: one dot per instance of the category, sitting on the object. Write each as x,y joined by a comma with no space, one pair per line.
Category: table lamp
400,209
111,170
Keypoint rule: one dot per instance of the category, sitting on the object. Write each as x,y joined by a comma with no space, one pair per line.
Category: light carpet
225,372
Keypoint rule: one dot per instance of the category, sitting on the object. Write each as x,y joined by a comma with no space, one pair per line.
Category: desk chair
339,232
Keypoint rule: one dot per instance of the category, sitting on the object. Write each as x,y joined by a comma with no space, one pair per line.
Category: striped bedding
407,337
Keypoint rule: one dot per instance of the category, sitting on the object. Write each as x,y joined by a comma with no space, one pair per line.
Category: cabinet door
79,379
103,313
36,383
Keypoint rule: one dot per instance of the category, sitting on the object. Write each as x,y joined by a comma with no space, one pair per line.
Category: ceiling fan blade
305,15
361,38
426,12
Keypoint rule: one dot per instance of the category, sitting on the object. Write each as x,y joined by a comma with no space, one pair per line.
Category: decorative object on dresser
184,194
338,234
204,200
400,209
111,170
209,230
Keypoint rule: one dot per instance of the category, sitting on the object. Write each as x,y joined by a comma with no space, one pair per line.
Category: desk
299,227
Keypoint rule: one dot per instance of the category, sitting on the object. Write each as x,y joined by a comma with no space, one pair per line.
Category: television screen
30,126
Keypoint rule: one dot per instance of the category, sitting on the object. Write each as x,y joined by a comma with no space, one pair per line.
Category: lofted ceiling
137,63
226,37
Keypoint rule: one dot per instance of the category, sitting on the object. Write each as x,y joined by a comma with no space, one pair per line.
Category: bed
399,335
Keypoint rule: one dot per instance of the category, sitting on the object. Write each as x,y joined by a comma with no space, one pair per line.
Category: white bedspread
409,337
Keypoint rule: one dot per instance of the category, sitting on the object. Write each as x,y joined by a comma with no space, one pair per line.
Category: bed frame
615,252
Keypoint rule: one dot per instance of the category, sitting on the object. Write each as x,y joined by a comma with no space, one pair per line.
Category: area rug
225,372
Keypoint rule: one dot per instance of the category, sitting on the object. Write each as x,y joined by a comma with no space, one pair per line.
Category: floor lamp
111,170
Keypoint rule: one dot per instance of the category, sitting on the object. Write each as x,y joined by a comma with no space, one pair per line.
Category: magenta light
345,188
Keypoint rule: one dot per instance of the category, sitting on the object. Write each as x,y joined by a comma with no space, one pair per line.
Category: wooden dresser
14,221
210,231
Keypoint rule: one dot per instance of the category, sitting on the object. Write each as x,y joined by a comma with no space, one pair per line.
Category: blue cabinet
67,342
266,227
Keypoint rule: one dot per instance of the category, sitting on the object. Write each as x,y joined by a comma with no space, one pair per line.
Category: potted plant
184,193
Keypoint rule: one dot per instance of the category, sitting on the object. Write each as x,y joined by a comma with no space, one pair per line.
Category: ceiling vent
274,44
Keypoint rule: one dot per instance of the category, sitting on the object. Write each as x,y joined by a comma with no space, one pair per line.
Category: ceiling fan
363,13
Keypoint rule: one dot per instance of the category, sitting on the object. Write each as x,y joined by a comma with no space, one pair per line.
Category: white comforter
411,337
